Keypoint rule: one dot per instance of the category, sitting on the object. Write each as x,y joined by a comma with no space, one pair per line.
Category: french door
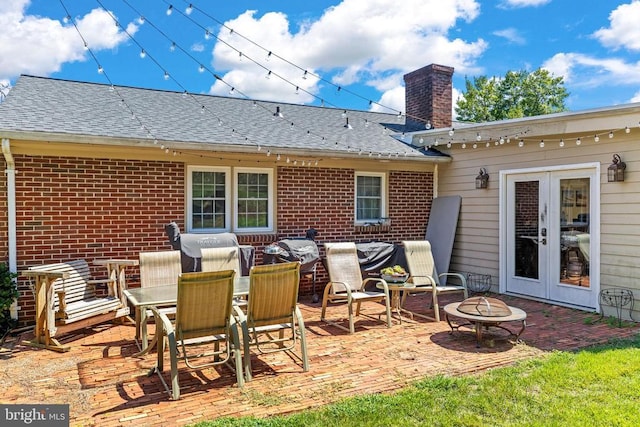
548,235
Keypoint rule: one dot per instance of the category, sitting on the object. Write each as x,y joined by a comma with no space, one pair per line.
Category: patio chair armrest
385,285
345,285
162,320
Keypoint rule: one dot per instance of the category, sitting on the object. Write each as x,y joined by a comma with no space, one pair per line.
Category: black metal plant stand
618,298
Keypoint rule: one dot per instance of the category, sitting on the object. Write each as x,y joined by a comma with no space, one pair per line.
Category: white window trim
383,193
271,212
227,195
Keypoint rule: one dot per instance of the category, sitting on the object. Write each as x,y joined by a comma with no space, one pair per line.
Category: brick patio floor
106,386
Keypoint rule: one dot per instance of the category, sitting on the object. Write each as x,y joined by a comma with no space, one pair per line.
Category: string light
169,10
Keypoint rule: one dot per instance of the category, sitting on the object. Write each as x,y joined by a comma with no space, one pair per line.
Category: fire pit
482,313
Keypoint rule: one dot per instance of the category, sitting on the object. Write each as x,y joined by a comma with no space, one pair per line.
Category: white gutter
11,215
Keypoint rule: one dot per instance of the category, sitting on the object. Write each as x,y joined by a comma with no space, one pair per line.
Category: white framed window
229,199
208,199
370,197
253,200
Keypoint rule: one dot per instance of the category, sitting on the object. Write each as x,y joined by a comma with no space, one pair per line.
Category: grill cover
482,306
190,244
303,250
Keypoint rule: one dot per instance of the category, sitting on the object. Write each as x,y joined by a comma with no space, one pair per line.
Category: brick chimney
428,96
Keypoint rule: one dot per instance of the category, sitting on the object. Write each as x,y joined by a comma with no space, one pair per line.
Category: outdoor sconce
482,180
615,172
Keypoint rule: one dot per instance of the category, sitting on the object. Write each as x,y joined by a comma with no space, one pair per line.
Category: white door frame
594,226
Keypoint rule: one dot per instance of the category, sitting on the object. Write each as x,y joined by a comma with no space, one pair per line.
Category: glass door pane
526,229
574,242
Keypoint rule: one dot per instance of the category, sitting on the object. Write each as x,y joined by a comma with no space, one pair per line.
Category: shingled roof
51,109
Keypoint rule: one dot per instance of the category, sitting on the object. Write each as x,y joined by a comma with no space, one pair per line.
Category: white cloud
588,71
511,34
623,31
387,40
37,45
635,97
523,3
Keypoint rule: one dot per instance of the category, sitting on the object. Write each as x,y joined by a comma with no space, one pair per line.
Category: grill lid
482,306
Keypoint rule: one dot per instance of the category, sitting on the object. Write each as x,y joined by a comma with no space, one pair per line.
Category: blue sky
354,51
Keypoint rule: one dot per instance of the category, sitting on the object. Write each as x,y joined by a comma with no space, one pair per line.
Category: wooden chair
205,331
347,286
423,274
158,268
273,308
67,298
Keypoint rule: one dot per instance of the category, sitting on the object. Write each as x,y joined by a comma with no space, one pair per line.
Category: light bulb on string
610,134
596,138
541,143
172,48
100,69
232,91
627,130
521,143
166,75
561,143
268,76
304,76
201,68
451,132
475,145
478,137
169,10
189,9
141,20
66,19
207,35
268,56
143,54
449,144
278,157
464,145
578,141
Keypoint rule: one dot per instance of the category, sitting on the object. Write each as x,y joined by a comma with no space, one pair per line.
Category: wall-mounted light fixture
482,180
615,172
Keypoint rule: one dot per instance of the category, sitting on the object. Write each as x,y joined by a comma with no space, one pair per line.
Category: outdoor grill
305,250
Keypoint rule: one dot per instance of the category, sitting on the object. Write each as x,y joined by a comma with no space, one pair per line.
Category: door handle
543,241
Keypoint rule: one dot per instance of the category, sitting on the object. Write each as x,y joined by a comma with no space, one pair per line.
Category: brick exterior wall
70,208
428,96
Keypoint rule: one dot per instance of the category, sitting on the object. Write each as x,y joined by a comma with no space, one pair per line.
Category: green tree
517,94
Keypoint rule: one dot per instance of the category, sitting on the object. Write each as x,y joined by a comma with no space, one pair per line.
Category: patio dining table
165,296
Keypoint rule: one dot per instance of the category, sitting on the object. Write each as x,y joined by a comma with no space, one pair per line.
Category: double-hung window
229,199
370,197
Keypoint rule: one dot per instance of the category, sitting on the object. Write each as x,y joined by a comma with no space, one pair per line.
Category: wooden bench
66,298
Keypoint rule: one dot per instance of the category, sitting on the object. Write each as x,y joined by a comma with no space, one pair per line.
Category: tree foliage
517,94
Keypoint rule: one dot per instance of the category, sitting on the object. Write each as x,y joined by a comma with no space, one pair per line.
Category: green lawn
599,386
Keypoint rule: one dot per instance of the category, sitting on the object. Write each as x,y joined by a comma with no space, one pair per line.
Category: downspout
11,215
435,181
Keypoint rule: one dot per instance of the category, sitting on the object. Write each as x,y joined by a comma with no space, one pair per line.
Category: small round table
395,288
480,321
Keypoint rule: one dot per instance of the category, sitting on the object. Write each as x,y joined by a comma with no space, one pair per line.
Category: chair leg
303,340
388,306
237,355
352,328
436,306
173,351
